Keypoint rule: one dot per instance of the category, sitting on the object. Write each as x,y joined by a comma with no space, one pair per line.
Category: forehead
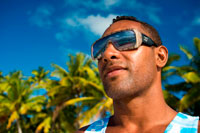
122,25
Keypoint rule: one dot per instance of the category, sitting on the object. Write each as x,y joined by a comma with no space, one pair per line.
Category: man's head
129,73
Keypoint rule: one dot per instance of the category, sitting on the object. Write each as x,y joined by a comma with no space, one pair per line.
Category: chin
123,90
117,91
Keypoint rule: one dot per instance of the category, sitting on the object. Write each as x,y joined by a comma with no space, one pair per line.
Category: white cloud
134,4
65,51
71,22
109,3
97,24
73,27
92,4
185,31
61,36
80,20
147,9
196,21
152,12
42,16
66,35
154,18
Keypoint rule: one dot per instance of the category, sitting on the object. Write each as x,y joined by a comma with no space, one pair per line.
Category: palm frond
59,71
94,113
186,52
182,86
13,117
190,98
76,100
197,45
45,125
172,58
191,77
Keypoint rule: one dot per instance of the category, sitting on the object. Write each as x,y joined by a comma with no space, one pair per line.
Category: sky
37,33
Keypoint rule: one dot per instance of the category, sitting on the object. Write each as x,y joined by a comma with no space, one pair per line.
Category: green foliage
190,88
186,52
79,86
17,100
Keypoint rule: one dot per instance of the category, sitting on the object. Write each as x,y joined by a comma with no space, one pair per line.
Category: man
130,57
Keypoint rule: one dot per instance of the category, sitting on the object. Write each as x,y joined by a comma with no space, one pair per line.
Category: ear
161,56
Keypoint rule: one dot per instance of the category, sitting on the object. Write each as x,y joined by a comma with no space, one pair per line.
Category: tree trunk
19,127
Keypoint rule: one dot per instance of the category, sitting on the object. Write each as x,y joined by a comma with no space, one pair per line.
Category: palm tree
78,90
190,87
17,100
39,78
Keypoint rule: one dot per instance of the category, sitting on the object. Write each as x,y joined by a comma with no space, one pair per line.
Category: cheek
100,69
142,60
147,65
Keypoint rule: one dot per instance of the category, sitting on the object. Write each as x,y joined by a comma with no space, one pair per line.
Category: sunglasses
124,40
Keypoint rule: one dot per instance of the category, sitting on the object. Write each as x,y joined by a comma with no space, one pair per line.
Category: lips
113,70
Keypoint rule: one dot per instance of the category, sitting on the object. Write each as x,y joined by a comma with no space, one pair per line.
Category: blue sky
40,32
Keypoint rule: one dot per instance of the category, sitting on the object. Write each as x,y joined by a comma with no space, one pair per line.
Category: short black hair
147,27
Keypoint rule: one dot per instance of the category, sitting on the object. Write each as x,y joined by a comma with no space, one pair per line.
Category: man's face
127,73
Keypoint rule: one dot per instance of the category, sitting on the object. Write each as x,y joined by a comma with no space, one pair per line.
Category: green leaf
197,44
13,117
76,100
4,87
187,52
35,72
172,58
46,124
189,98
96,111
191,77
178,87
92,113
168,68
59,71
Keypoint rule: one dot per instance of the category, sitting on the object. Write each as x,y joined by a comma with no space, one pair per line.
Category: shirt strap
183,123
98,126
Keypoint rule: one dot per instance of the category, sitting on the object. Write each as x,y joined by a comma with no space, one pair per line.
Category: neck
143,111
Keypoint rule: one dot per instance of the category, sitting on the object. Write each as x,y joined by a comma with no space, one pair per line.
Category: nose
110,53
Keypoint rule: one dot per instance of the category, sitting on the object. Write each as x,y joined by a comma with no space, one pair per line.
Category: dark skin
134,84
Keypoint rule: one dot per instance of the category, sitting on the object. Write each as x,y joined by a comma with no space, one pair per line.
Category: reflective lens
123,40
